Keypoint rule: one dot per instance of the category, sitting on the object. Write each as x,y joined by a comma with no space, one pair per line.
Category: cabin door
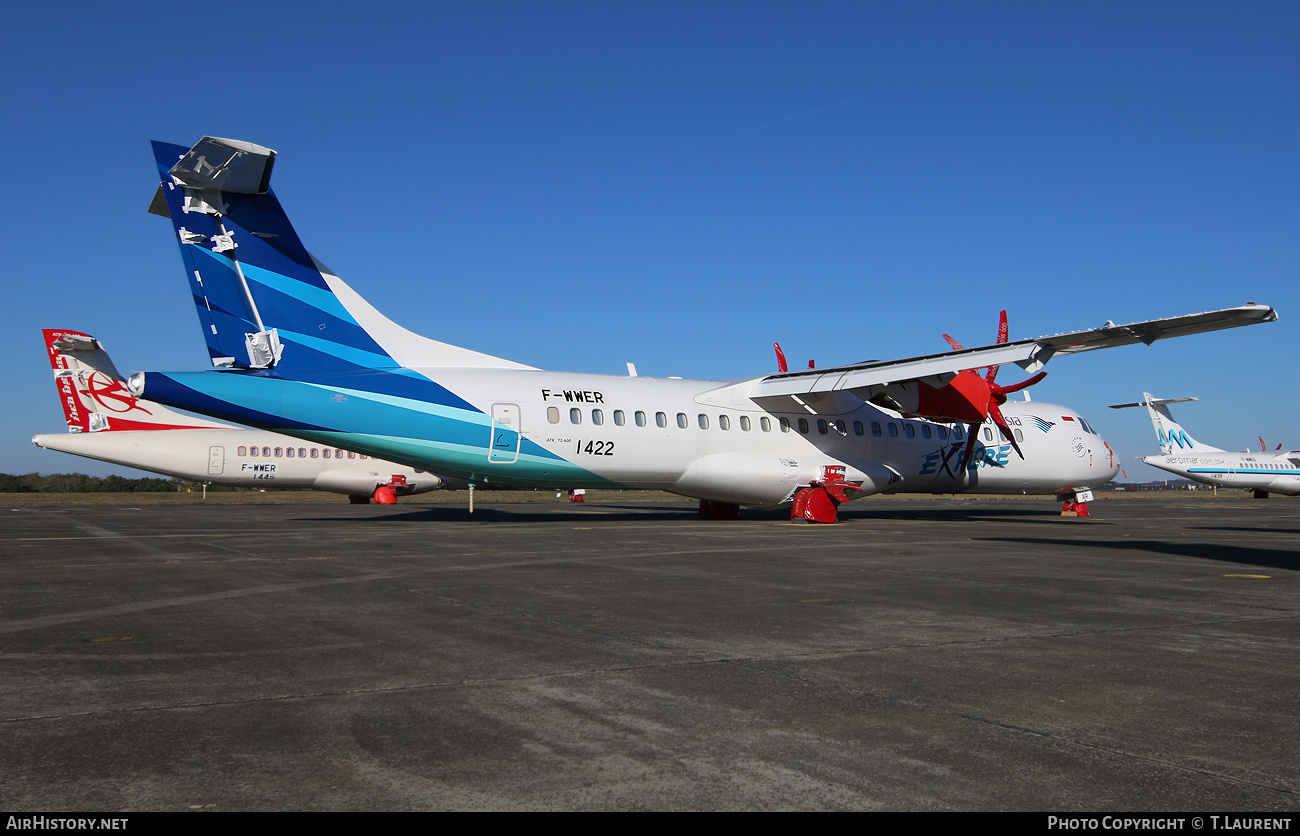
503,447
216,460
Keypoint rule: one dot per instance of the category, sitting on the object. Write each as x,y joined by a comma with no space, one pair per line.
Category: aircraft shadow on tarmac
525,514
1244,529
682,513
1266,558
1042,514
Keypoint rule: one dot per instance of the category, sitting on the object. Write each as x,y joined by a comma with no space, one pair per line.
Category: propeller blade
1004,334
996,415
780,359
1024,384
956,346
971,437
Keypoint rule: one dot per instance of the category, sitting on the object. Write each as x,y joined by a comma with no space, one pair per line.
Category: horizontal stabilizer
1152,402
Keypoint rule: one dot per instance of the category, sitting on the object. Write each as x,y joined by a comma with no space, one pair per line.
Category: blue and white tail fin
1169,433
264,302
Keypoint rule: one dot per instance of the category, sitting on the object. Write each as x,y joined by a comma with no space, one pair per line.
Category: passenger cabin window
925,431
988,434
744,423
724,423
619,418
958,433
943,433
639,417
909,430
681,420
704,421
821,426
597,417
803,425
553,414
893,430
858,428
243,451
785,424
765,424
875,429
575,415
839,427
661,420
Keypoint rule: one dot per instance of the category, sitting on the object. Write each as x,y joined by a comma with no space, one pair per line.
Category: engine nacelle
755,479
963,399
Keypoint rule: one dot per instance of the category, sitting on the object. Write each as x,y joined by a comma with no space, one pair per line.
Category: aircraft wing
865,379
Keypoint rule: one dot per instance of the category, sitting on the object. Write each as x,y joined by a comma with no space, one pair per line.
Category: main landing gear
385,494
713,510
1074,503
820,501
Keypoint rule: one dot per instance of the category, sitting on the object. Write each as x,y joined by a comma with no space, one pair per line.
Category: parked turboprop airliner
107,422
299,351
1181,454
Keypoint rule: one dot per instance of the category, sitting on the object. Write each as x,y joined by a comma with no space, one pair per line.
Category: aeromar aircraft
299,351
1185,456
107,422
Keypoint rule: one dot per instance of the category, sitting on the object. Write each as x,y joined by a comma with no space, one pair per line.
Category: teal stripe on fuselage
465,462
384,406
447,439
1243,471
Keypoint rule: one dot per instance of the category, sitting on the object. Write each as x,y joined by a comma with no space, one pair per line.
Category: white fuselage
240,457
710,440
1243,471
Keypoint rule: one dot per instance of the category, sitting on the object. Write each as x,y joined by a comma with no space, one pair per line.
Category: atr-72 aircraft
300,352
108,423
1185,456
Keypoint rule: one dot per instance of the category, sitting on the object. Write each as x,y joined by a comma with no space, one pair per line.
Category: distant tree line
81,483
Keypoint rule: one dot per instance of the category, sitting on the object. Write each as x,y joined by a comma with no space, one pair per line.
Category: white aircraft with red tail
108,423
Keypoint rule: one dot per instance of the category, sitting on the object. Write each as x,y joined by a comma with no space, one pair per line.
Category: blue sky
575,185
